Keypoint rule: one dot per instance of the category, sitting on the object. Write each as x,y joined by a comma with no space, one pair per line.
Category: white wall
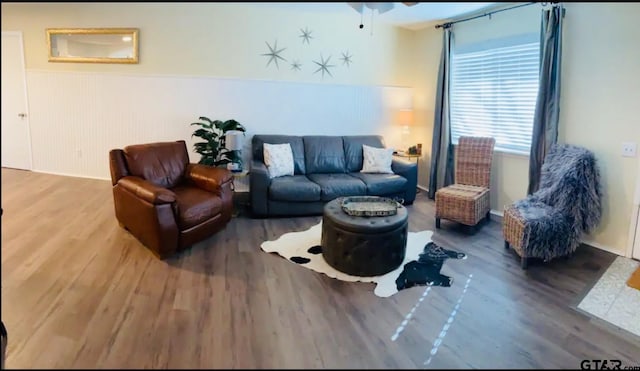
223,40
205,59
599,108
599,99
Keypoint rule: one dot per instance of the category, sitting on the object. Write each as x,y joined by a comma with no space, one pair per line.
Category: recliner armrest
207,177
147,190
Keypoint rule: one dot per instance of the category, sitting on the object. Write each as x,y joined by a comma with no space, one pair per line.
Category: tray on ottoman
369,206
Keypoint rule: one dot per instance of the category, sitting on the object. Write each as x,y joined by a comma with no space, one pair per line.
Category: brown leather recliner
166,202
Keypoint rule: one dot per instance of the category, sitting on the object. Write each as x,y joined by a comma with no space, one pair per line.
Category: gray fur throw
567,205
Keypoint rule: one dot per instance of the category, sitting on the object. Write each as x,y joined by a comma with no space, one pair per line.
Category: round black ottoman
363,245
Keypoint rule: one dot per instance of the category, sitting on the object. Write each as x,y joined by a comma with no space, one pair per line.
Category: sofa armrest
146,190
207,177
259,182
408,170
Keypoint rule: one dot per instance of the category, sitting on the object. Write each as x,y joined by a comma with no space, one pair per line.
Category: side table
240,199
408,156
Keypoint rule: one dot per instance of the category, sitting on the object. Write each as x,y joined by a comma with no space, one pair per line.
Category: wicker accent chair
467,200
550,222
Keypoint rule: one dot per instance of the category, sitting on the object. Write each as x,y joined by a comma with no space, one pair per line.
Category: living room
215,60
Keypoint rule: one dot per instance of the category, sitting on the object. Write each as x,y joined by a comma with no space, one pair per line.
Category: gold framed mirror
93,45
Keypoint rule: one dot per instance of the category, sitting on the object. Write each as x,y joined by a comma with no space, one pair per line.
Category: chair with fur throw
550,222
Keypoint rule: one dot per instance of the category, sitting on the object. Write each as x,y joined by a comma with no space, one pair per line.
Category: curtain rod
448,24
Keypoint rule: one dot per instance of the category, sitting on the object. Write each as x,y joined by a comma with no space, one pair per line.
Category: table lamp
233,142
405,119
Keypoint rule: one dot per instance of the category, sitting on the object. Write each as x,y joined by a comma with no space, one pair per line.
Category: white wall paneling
77,117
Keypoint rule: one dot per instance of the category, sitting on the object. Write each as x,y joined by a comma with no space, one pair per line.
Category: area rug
634,280
420,267
610,299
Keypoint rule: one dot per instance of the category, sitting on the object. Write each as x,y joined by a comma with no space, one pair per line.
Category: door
636,217
636,205
16,139
636,244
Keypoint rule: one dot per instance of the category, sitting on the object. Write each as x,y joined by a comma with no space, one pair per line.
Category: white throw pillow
278,158
376,160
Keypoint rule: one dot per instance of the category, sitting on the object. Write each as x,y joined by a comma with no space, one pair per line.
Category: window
493,91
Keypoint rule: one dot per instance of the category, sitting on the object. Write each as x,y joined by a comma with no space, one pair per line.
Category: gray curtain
441,174
545,120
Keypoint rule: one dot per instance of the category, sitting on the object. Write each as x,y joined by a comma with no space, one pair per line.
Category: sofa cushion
297,147
195,206
353,149
382,184
294,188
324,154
377,160
279,159
161,163
338,185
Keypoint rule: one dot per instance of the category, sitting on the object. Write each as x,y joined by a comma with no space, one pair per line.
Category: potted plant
213,149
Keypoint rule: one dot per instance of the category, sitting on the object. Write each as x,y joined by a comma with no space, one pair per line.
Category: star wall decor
274,54
295,65
324,66
346,58
306,35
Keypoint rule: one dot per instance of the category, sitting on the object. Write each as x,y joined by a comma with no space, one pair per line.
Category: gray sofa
326,167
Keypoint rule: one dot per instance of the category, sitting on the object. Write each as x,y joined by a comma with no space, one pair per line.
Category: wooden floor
78,291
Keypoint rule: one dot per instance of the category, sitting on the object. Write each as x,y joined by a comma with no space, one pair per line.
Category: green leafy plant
212,149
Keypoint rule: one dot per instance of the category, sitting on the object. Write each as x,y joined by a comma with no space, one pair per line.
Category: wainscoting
76,117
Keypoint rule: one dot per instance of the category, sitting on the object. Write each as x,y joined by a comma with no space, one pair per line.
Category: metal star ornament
306,35
274,54
324,66
346,58
295,65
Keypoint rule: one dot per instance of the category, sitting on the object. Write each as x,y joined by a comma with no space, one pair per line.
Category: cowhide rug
421,266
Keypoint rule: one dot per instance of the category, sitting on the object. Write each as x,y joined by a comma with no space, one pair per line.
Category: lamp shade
405,117
233,140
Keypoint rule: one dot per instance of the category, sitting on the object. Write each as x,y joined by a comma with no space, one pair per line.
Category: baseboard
71,175
425,189
602,247
496,215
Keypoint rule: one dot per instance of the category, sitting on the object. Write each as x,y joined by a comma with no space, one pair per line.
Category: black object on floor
426,270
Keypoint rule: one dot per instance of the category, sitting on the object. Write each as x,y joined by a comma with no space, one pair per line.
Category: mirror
93,45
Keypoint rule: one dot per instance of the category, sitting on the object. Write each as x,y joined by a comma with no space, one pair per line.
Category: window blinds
493,92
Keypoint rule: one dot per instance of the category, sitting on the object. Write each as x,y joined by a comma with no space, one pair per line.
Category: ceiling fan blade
358,7
381,7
